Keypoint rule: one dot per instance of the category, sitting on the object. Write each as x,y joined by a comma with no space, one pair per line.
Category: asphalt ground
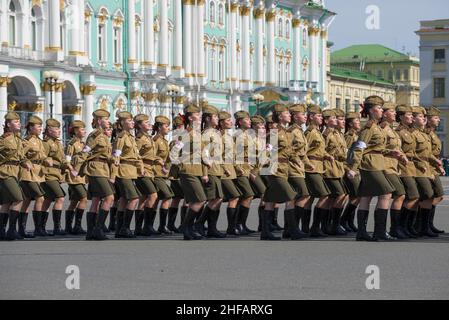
234,268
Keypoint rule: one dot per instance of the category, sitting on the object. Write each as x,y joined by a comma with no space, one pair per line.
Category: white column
177,41
132,44
163,37
148,59
54,25
201,71
233,45
313,38
88,91
259,15
26,27
296,49
323,61
271,76
81,46
246,64
3,99
4,31
187,39
77,33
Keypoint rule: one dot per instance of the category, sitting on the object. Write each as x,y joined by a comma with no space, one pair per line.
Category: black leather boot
230,215
274,224
426,230
300,216
325,221
90,220
347,219
119,223
410,220
172,213
189,233
69,216
395,227
212,231
335,228
163,213
112,217
138,223
291,221
125,231
98,233
57,230
241,222
183,216
380,226
104,227
78,229
201,220
318,215
12,233
44,219
403,219
2,226
432,226
259,215
305,221
149,215
287,228
37,219
362,221
22,222
266,232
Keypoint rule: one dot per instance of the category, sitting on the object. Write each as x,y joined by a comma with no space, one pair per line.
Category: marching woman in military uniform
352,124
30,180
161,169
145,182
54,166
369,158
191,173
11,158
77,185
279,190
298,162
433,121
316,154
94,161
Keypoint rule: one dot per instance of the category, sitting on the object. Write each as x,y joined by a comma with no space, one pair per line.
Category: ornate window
304,37
287,29
221,14
12,24
212,12
280,28
102,35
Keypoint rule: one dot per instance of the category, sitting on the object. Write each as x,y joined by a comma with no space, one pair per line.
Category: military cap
241,115
34,120
162,119
77,124
11,115
389,106
141,117
419,109
432,111
340,112
257,119
352,115
178,120
53,123
280,108
374,100
125,115
101,113
269,118
208,109
192,108
329,113
403,109
223,115
313,108
298,108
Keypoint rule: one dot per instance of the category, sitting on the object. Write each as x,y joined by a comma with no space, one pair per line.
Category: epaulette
28,138
121,134
369,123
95,133
156,137
293,127
7,134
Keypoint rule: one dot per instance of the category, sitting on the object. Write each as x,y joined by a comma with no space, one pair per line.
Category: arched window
33,30
12,24
212,67
279,72
287,73
304,37
221,14
212,12
63,29
287,29
280,27
221,68
102,42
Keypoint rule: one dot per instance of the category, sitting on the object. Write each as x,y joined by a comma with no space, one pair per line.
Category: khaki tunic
317,149
244,142
11,150
74,147
33,149
436,149
190,155
162,152
147,151
280,166
394,143
336,147
130,160
299,160
212,150
261,152
228,156
350,137
54,150
408,144
173,174
370,158
424,155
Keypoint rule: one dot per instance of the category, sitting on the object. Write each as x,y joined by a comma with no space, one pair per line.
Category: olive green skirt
438,190
352,185
230,190
146,186
316,185
77,192
245,187
192,188
100,187
396,182
336,186
52,190
425,188
177,190
31,190
374,183
411,189
10,191
299,185
279,190
163,189
213,188
258,186
127,189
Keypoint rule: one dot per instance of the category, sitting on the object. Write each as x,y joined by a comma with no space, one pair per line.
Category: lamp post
257,98
173,92
51,78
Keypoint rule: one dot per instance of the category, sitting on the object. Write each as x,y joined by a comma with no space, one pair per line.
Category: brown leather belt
11,163
374,152
131,163
283,160
99,160
146,161
315,158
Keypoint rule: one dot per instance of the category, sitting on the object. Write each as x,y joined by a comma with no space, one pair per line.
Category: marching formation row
132,170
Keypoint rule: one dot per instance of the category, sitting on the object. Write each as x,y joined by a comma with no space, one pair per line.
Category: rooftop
369,53
358,75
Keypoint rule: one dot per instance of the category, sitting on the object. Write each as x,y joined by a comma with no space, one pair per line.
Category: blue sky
398,21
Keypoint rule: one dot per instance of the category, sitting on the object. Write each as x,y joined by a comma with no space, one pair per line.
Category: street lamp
257,98
173,91
51,78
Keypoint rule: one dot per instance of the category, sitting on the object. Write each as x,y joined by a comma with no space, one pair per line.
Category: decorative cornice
244,10
258,13
296,23
270,15
88,89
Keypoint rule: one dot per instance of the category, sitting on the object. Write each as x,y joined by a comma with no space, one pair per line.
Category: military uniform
77,185
351,137
258,184
436,151
173,175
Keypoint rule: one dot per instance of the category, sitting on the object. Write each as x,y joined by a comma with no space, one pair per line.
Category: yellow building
434,49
